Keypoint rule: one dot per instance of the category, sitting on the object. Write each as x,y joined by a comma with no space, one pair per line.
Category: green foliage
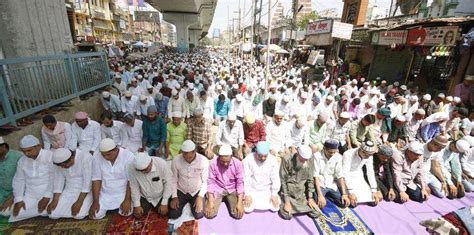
305,19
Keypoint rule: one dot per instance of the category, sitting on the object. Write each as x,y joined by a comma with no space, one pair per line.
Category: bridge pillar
182,21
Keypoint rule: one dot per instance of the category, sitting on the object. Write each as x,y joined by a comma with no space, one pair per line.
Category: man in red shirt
254,132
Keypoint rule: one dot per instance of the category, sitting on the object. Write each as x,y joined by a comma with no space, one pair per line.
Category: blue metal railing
29,85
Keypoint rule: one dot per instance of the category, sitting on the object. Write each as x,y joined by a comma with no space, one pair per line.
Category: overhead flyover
192,18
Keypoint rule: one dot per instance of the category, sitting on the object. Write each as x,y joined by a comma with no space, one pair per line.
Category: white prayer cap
462,146
28,141
133,80
345,115
239,97
304,95
278,112
469,139
403,87
222,82
139,76
323,116
61,155
188,146
177,114
414,98
235,86
128,94
427,97
469,77
231,116
383,81
416,147
174,92
142,97
330,97
106,145
141,161
365,83
177,86
457,100
449,98
218,87
250,118
148,86
401,118
286,98
354,81
225,150
305,152
2,141
106,94
421,111
396,83
441,95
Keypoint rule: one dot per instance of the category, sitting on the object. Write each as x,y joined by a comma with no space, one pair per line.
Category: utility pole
228,31
89,3
292,22
242,42
252,32
267,61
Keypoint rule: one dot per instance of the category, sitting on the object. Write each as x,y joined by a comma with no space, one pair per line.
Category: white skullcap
239,97
106,145
250,118
396,83
2,141
222,82
286,98
141,161
177,86
354,81
174,92
142,97
28,141
139,76
383,81
304,95
416,147
128,94
323,116
449,98
278,113
441,95
231,116
457,99
148,86
427,97
235,86
218,87
414,98
403,87
225,150
106,94
133,80
188,146
61,155
330,97
401,118
177,114
463,146
305,152
345,115
421,111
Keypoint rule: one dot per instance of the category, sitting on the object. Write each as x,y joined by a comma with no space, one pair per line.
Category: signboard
361,35
342,30
433,36
319,27
319,40
389,37
316,56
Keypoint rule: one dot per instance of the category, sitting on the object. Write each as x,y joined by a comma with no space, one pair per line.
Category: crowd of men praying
205,127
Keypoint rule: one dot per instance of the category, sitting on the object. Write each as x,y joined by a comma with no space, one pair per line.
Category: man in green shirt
175,135
8,160
362,131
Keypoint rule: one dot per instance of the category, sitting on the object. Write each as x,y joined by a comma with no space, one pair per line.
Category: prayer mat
44,225
188,228
4,225
151,223
335,220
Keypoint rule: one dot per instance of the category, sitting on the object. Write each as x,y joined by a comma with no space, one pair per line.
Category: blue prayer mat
335,220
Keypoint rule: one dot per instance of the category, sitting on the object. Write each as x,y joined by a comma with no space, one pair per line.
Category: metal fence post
72,75
7,108
106,69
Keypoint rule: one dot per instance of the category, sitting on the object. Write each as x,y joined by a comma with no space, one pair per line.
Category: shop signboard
342,30
319,27
386,38
433,36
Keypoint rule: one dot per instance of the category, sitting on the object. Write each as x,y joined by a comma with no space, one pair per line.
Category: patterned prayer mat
45,226
335,220
113,224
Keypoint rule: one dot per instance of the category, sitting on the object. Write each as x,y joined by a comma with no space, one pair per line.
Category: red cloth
454,220
255,133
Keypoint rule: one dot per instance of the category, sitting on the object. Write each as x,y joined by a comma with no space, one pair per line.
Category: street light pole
89,3
267,62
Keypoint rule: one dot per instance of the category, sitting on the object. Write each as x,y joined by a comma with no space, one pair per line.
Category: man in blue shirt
221,108
161,102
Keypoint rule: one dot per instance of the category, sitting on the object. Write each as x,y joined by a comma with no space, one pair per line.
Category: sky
221,16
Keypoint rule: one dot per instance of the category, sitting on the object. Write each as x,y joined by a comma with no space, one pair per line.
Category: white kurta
33,181
130,106
238,108
132,136
143,108
87,139
114,180
354,176
71,183
114,132
261,182
277,135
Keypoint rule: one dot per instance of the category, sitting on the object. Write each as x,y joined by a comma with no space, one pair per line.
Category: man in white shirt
111,103
207,105
134,88
33,181
56,134
432,155
110,186
72,184
414,124
111,128
119,85
129,103
132,133
278,133
467,165
230,132
175,104
261,180
328,175
143,104
352,162
150,183
339,131
189,181
191,103
85,133
299,133
237,106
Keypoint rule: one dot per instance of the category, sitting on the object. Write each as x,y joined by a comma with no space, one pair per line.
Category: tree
305,19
